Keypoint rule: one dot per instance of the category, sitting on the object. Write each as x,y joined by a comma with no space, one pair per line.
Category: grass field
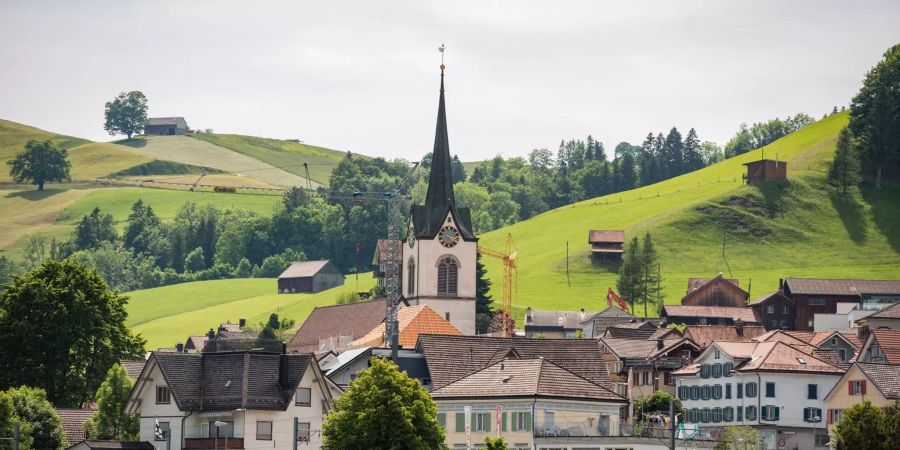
169,314
792,229
470,167
207,180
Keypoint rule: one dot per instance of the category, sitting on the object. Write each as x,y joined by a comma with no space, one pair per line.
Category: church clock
448,236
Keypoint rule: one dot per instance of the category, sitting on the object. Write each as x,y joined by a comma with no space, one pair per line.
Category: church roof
439,199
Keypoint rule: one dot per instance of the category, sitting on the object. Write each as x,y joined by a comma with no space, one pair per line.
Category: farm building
606,245
716,291
309,276
166,126
765,170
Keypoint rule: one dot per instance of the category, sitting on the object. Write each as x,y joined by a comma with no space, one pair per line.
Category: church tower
440,248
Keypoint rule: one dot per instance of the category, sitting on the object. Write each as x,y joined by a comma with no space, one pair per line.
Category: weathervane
441,49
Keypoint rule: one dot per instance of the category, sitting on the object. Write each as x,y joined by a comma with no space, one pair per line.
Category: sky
364,75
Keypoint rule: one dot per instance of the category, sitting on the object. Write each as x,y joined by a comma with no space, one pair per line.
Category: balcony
582,428
213,443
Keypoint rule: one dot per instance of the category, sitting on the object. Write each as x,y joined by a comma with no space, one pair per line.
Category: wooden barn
166,125
716,291
309,276
606,245
765,170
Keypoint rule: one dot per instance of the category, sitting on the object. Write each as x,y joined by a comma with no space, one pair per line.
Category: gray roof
891,312
886,378
828,286
615,314
302,269
345,358
552,319
133,368
166,121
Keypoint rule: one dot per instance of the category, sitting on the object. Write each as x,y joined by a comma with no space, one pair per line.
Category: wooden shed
716,291
166,126
765,170
606,245
309,276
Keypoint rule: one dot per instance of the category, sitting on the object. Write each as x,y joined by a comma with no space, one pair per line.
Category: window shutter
528,421
806,414
830,416
862,385
460,422
474,424
777,411
442,419
819,414
487,425
503,422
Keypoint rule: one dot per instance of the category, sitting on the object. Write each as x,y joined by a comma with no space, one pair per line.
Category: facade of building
309,276
888,317
93,444
649,363
882,346
704,335
335,327
775,311
764,170
440,249
813,296
166,126
877,383
553,324
606,245
716,291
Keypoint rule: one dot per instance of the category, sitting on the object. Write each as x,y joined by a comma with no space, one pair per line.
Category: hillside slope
798,228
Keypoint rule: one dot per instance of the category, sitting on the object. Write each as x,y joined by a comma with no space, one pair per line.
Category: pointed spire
440,181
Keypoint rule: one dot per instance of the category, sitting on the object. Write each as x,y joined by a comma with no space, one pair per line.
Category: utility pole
672,424
295,434
568,280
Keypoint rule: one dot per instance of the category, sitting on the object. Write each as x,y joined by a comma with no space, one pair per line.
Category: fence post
294,445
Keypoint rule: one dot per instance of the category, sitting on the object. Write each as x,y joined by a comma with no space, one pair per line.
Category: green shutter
442,419
474,419
487,424
528,421
460,422
503,422
777,412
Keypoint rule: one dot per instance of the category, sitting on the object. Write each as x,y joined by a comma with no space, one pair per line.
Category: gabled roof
704,335
514,378
450,358
701,284
891,312
132,368
346,358
773,356
554,319
114,445
354,320
73,422
165,121
886,377
771,296
303,269
638,349
665,333
697,283
831,286
889,341
617,331
781,336
615,314
747,315
413,321
598,236
381,251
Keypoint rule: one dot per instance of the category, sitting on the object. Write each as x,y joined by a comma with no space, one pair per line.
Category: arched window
447,278
411,280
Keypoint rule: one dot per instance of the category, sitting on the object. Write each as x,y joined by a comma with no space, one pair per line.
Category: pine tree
599,151
693,158
844,170
589,148
630,273
650,278
628,177
483,311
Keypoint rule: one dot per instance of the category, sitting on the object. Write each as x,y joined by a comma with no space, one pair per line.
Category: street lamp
815,420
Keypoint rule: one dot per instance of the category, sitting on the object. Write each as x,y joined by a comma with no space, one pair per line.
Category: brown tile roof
606,236
511,378
781,336
303,269
637,349
886,377
665,333
889,341
747,315
704,335
891,312
116,445
614,315
450,358
196,343
828,286
564,319
771,296
73,422
413,320
354,320
616,331
781,357
697,283
133,368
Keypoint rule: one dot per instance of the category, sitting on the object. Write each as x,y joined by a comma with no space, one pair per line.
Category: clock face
448,236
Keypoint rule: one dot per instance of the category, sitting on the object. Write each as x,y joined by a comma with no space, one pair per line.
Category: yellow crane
508,256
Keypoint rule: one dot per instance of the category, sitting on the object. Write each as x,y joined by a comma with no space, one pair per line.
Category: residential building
73,420
717,291
553,324
412,321
764,170
343,368
844,344
380,260
704,335
888,317
595,325
877,383
166,126
231,400
775,311
638,330
882,346
708,315
649,363
335,327
813,296
309,276
606,245
773,386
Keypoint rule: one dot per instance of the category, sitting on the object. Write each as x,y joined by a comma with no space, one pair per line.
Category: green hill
796,228
168,314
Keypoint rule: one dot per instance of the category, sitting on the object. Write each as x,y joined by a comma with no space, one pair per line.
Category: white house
775,387
233,400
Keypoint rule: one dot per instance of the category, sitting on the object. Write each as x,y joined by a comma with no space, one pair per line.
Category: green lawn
170,314
793,229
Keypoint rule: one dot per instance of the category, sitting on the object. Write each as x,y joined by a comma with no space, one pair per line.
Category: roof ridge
581,377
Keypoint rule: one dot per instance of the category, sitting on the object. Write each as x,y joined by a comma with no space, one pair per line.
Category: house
813,296
132,368
606,245
335,327
595,325
110,445
530,402
708,315
73,420
309,276
166,126
380,260
882,346
553,324
634,330
877,383
244,399
649,363
412,321
343,368
886,318
775,387
764,170
704,335
716,291
775,310
845,345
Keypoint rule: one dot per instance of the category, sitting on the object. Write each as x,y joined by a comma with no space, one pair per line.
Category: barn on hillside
309,276
166,125
765,170
606,245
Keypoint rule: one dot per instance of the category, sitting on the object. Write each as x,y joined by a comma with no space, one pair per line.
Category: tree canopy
875,115
126,114
41,162
383,409
40,426
867,426
110,422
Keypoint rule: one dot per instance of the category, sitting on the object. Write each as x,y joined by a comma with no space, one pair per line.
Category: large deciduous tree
42,426
111,422
875,115
383,409
61,329
41,162
861,426
126,114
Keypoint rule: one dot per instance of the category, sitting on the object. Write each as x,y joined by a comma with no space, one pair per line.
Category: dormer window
304,397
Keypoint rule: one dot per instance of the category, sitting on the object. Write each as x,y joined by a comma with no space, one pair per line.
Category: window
303,396
263,431
447,316
447,276
695,392
686,354
717,370
411,278
822,440
705,392
718,355
740,390
482,422
787,310
857,387
549,418
717,415
726,369
770,389
818,301
163,432
770,412
812,415
704,370
751,390
740,413
728,391
163,396
521,421
812,391
222,431
705,415
682,393
750,413
717,392
842,353
727,414
442,419
701,321
836,415
204,429
770,309
303,431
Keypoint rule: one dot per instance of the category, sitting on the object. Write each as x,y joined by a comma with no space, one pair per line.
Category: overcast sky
363,76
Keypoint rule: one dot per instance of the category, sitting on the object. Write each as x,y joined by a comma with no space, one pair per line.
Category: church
440,248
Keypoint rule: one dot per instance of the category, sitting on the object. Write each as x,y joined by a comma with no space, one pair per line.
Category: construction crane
508,256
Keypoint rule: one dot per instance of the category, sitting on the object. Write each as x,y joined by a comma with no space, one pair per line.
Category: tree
142,229
693,157
94,229
194,262
457,170
110,422
875,115
630,273
739,438
650,288
61,329
383,409
711,153
244,269
41,162
844,170
494,444
862,426
126,114
8,267
656,403
44,427
483,311
891,426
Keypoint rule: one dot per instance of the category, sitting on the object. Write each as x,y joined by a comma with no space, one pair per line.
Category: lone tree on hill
110,422
844,169
875,115
383,409
126,114
41,162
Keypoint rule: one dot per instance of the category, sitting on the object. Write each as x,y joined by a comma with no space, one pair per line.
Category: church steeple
440,181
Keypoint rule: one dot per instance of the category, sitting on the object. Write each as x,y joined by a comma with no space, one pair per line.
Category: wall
841,399
150,412
327,280
806,312
782,315
344,375
716,293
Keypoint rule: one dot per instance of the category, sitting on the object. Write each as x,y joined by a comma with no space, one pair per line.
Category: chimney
781,285
739,327
211,334
242,322
179,347
581,316
659,344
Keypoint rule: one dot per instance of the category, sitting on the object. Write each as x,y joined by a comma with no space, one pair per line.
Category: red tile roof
889,341
352,320
704,335
891,312
595,236
414,320
73,422
885,377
